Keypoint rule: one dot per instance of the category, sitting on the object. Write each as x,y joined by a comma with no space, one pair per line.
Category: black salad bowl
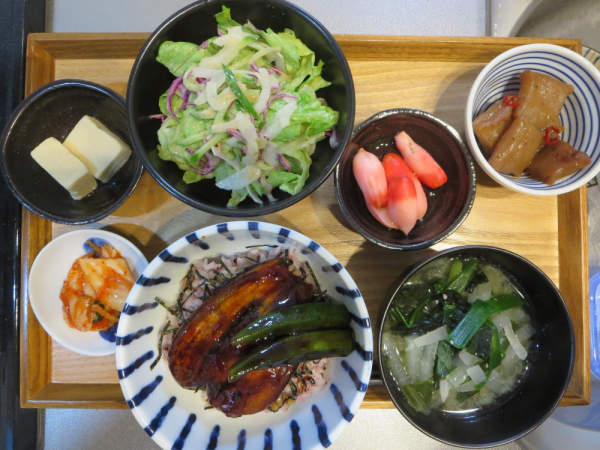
195,23
541,387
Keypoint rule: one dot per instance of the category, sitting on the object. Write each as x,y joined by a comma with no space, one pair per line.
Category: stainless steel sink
575,19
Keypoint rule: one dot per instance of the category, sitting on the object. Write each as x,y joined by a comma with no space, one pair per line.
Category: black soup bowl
196,23
540,388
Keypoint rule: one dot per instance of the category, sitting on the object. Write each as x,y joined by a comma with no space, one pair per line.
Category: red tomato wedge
370,176
394,166
382,216
402,203
421,162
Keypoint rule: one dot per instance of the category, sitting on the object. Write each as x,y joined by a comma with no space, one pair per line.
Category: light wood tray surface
432,74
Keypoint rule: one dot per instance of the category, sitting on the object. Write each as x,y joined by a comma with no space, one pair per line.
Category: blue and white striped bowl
580,116
176,418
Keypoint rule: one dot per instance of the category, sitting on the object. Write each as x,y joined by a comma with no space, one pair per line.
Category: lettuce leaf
176,102
237,197
180,56
192,177
292,182
318,116
314,81
224,20
292,48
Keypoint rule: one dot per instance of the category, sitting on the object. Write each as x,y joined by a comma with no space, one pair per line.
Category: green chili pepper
295,349
244,102
476,316
293,320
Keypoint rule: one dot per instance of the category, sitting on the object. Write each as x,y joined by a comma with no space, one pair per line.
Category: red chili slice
552,135
511,100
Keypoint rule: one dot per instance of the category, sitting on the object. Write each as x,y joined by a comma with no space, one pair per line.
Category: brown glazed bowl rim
471,179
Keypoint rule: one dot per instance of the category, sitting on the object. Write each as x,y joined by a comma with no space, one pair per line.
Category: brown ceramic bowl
448,205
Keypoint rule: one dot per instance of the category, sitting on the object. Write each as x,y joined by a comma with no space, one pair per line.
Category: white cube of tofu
64,167
98,148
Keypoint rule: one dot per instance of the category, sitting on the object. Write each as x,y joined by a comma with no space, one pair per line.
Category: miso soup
458,336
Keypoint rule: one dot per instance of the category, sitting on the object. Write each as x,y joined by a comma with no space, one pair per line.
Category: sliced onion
171,93
259,54
240,179
439,334
333,140
264,79
236,134
477,374
283,162
280,120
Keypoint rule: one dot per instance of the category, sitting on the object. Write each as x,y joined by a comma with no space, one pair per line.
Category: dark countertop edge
19,428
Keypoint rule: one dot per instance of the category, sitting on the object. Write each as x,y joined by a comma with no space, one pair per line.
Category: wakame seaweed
444,301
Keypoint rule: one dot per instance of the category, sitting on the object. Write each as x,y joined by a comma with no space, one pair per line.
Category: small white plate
46,278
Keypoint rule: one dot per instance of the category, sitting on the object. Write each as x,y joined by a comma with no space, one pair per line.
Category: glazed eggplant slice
252,393
202,352
517,147
490,125
541,98
557,161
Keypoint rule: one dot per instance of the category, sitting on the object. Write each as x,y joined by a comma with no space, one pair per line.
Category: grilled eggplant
201,352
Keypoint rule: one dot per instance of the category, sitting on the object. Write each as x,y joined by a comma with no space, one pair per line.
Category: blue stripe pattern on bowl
164,409
580,115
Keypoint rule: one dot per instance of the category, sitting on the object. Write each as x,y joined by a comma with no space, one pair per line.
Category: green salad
243,110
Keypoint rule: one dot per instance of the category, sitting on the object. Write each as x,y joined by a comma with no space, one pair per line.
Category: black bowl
448,206
196,23
541,387
53,111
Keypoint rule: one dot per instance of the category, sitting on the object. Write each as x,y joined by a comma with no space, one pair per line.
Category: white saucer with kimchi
76,318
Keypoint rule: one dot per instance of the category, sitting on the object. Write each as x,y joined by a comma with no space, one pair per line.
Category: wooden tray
432,74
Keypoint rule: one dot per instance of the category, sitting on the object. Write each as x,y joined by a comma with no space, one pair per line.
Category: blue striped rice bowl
580,115
177,418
